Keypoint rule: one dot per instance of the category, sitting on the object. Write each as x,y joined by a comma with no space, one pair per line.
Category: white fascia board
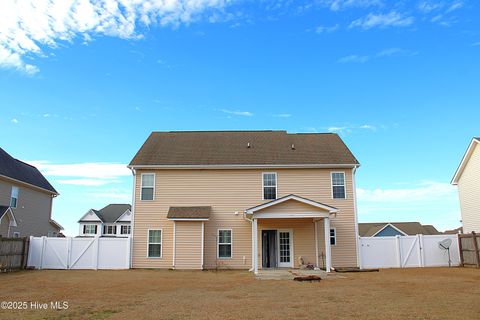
292,197
389,225
188,219
88,212
246,166
126,213
464,162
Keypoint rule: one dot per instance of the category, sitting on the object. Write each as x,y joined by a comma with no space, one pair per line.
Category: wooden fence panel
469,245
13,253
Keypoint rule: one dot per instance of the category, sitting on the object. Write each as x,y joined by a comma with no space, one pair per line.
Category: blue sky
82,84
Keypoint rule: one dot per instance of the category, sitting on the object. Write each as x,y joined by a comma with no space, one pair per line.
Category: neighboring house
25,200
112,221
390,229
454,231
467,179
244,200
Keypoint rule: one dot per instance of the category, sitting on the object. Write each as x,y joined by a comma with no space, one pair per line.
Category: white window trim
126,226
263,185
161,243
344,184
106,229
16,196
334,236
141,185
88,225
218,244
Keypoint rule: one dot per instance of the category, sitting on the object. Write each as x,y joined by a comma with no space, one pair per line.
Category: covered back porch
291,230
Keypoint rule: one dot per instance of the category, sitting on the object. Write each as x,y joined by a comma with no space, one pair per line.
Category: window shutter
115,230
104,229
95,229
84,228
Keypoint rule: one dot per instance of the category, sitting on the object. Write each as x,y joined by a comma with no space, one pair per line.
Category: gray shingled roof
110,213
410,228
243,148
189,212
21,171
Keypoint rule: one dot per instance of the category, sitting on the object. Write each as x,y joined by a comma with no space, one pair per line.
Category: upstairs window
110,229
89,229
148,186
269,186
14,197
125,230
338,185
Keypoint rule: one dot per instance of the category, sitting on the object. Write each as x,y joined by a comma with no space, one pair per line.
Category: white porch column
328,257
315,222
255,246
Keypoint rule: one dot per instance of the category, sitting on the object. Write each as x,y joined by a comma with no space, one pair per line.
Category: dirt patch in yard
437,293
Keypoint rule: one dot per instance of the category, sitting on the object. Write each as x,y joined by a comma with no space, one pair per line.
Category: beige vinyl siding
291,206
469,193
33,211
188,242
230,191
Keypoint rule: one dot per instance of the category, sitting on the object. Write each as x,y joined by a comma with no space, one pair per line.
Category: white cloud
237,113
282,115
14,120
353,58
336,5
112,194
29,26
391,19
455,6
476,44
84,174
427,191
323,29
389,52
87,182
350,128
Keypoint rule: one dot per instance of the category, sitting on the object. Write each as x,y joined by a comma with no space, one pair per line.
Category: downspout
251,221
132,222
359,264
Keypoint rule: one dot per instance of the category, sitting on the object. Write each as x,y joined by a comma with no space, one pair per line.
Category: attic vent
293,147
248,145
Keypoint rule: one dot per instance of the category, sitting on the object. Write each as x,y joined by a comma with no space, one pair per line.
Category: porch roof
325,210
189,213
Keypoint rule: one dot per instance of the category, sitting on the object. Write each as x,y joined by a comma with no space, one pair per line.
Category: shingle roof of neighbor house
21,171
111,213
243,148
410,228
189,212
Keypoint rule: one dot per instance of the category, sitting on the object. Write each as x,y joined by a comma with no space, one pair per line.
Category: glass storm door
285,258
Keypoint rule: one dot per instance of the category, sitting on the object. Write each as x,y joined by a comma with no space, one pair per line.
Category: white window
333,237
125,230
224,243
89,229
269,185
148,186
154,243
16,234
110,229
14,197
338,185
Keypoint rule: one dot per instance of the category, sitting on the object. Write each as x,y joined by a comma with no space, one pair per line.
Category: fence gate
407,251
79,253
13,253
469,249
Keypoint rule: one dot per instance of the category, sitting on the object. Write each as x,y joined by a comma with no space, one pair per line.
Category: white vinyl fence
407,251
79,253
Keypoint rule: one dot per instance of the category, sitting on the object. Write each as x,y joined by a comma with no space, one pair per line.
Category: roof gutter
246,166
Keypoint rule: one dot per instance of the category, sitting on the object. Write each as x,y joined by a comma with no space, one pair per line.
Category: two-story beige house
25,200
244,200
467,179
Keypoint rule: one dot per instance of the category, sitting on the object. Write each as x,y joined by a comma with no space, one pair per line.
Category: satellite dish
445,245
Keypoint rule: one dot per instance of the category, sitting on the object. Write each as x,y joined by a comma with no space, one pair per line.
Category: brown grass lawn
439,293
